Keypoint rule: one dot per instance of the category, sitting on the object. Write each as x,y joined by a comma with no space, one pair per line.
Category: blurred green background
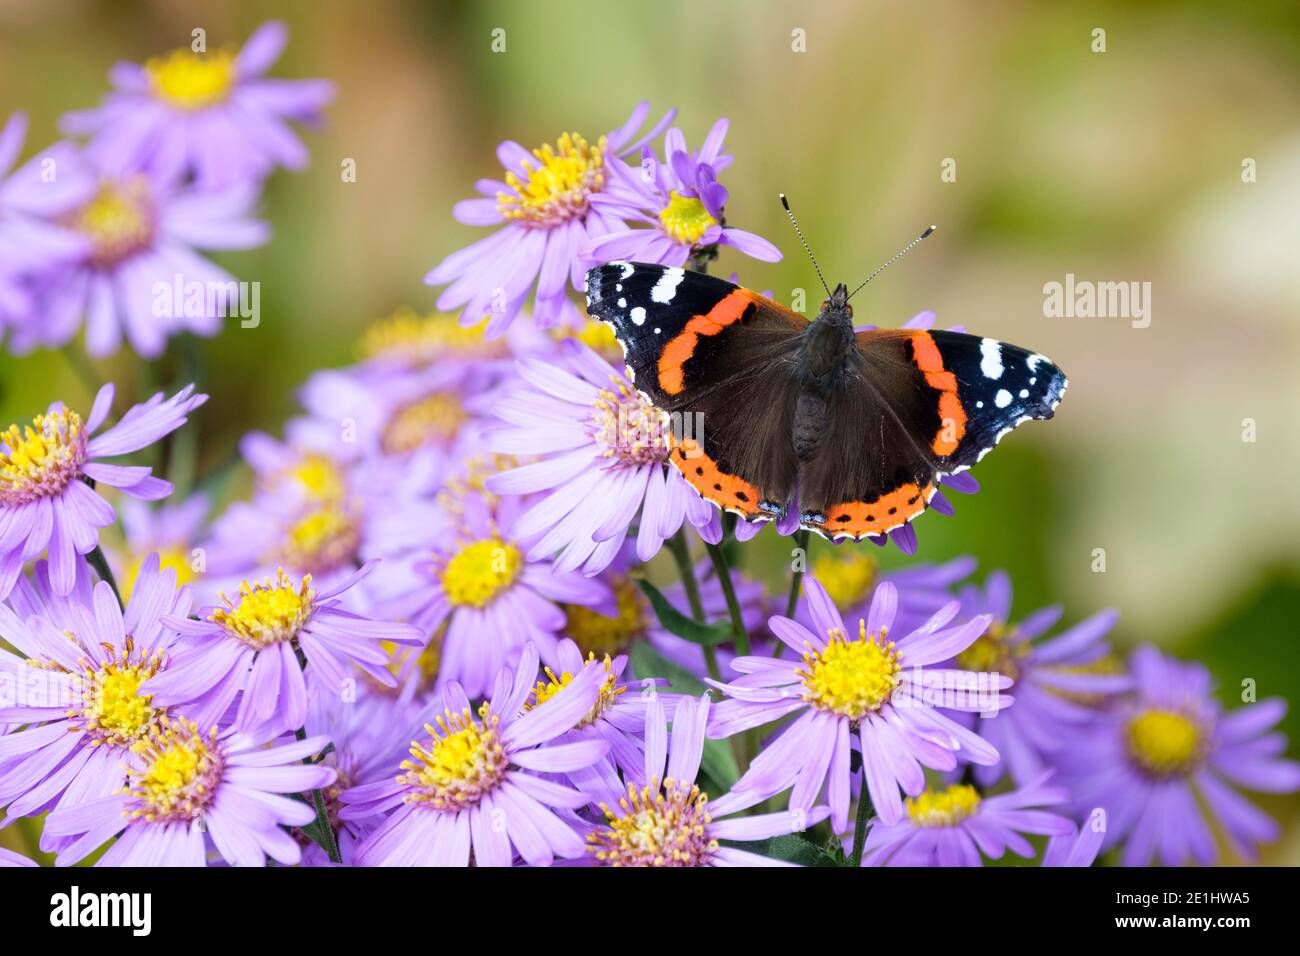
1117,166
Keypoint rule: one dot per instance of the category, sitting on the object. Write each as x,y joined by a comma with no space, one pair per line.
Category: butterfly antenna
799,232
902,252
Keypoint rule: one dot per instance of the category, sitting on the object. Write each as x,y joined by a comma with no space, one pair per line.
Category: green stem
739,635
796,577
97,561
322,814
681,552
860,827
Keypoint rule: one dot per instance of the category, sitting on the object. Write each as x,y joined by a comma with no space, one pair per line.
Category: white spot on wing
666,287
1002,399
638,315
991,358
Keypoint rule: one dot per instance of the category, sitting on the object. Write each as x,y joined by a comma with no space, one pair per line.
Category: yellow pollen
179,773
656,827
848,579
192,80
609,692
851,678
175,557
558,185
685,219
627,427
416,340
321,540
463,760
1165,743
118,221
114,711
42,458
943,808
596,634
267,613
996,651
434,419
480,571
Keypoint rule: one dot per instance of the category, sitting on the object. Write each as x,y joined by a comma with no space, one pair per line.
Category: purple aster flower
884,693
210,114
618,717
1059,681
955,826
45,500
545,211
473,784
80,664
603,464
478,594
137,272
10,858
683,202
190,789
1168,750
667,820
251,643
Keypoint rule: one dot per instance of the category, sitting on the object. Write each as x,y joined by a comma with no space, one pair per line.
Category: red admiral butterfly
861,424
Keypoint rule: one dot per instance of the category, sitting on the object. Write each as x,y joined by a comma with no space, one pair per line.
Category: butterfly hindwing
722,359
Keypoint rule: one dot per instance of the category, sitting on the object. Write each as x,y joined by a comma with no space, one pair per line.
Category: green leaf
706,635
648,662
719,762
793,848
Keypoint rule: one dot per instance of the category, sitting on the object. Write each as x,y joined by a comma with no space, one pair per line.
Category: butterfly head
837,307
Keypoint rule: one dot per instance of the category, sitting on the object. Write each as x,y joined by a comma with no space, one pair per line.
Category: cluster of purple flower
428,635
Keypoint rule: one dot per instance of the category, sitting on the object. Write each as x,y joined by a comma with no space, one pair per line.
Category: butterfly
858,427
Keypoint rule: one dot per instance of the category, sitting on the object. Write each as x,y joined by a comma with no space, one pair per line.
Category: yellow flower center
174,557
417,340
609,692
40,460
318,475
627,427
191,80
1165,743
118,221
943,808
321,540
558,186
113,709
995,651
434,419
480,571
685,219
267,613
851,678
179,774
463,760
596,634
848,579
656,827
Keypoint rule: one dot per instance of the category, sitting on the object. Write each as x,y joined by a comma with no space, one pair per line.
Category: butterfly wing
720,358
917,405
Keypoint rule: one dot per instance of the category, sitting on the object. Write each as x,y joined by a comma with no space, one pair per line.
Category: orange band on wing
861,518
672,361
952,416
714,485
